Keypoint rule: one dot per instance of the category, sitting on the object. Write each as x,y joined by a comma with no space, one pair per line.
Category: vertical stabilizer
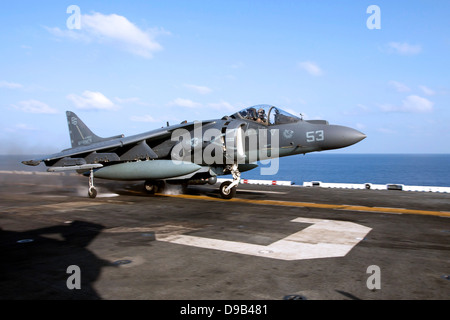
80,134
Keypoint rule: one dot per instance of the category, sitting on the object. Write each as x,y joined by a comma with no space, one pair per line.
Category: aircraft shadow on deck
35,263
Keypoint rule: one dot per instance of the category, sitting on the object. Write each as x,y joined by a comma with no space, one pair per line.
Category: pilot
261,116
251,114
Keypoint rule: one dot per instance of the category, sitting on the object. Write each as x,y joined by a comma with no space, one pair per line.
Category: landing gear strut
92,192
228,189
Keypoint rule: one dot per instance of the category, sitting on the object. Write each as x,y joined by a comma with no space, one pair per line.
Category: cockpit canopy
265,114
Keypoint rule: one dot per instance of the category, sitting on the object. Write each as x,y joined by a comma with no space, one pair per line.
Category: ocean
407,169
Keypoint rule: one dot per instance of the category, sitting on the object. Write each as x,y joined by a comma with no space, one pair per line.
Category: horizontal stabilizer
32,162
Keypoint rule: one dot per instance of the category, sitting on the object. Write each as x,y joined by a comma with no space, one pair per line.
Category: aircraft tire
227,195
92,193
150,187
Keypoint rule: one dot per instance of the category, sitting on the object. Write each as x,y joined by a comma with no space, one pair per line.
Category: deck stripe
317,205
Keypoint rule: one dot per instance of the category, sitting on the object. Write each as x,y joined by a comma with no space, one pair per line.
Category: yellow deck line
316,205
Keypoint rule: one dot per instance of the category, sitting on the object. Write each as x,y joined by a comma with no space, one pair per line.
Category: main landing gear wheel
225,192
152,187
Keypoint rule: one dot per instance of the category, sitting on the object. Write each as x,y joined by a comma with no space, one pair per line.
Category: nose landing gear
228,188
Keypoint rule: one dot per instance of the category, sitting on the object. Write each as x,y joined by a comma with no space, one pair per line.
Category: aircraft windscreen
266,114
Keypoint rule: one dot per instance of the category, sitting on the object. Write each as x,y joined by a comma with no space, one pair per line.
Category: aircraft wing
100,146
117,149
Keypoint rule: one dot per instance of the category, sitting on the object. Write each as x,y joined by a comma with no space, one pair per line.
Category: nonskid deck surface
269,242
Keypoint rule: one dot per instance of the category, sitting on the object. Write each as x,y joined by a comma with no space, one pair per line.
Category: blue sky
133,65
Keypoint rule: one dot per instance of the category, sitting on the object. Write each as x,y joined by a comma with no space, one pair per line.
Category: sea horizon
421,169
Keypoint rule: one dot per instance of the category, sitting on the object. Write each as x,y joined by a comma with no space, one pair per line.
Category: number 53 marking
312,136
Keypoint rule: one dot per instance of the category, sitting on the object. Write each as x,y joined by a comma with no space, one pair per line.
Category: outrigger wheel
92,192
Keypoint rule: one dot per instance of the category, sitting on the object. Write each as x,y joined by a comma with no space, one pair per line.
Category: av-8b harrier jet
196,152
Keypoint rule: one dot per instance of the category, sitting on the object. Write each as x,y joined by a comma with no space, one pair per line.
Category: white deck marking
323,239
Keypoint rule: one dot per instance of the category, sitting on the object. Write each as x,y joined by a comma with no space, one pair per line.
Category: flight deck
267,243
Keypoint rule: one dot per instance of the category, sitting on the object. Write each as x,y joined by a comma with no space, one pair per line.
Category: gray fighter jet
196,152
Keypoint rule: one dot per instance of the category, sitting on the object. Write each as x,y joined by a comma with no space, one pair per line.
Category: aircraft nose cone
353,136
349,136
341,137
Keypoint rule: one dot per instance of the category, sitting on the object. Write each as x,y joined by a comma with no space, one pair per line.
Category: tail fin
80,134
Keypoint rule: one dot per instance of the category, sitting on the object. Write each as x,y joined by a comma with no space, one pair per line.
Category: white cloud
198,89
237,65
116,30
10,85
362,107
20,127
24,126
223,106
92,100
311,67
144,118
398,86
427,91
415,103
35,106
128,100
412,104
386,131
78,35
180,102
132,100
404,48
